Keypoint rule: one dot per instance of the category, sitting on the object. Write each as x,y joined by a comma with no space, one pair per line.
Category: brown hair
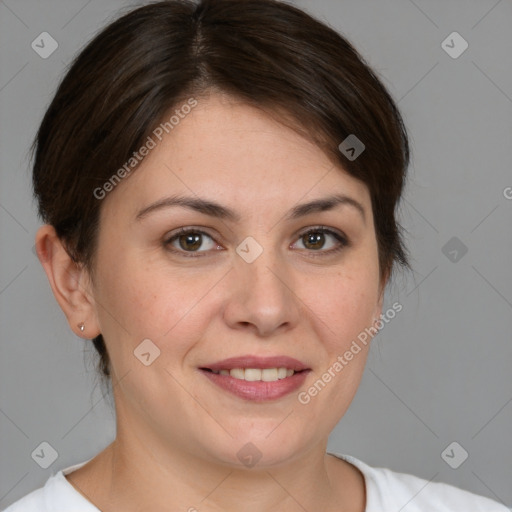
265,52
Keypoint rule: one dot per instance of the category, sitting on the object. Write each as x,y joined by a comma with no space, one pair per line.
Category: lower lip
258,391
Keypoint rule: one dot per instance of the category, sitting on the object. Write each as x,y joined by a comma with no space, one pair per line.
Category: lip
251,361
257,391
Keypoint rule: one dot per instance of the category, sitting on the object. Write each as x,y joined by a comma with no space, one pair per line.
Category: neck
142,477
142,470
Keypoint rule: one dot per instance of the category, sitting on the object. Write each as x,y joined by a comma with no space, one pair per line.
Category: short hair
267,53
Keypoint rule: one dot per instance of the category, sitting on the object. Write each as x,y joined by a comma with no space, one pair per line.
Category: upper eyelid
326,229
191,229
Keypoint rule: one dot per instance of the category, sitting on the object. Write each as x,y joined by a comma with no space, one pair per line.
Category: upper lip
251,361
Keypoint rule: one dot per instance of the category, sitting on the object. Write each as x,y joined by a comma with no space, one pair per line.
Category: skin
177,433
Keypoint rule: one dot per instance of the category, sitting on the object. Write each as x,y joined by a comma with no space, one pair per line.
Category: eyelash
343,242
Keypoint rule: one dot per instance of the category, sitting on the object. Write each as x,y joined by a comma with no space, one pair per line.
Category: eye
189,240
314,240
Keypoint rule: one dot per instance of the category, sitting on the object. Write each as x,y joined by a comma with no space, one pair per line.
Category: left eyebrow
325,204
214,209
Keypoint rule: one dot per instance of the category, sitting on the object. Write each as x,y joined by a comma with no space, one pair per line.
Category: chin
259,447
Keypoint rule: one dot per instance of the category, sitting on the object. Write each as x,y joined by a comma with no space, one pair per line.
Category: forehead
238,154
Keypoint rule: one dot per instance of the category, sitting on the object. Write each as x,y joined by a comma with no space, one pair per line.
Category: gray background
438,373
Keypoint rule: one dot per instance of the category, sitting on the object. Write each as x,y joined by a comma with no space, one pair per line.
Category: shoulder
390,490
57,495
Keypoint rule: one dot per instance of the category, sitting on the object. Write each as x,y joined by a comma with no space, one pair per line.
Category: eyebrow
214,209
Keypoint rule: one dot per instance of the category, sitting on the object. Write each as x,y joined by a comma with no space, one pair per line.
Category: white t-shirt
386,491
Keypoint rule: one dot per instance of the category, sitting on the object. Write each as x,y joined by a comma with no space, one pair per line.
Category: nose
262,296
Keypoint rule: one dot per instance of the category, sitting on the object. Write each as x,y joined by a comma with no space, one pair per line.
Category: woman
219,183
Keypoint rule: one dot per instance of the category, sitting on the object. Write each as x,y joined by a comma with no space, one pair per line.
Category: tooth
252,374
281,373
237,373
269,375
257,374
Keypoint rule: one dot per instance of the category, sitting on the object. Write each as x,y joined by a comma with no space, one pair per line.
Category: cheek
162,305
343,314
345,305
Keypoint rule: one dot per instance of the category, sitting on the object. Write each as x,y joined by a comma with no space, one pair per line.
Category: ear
69,281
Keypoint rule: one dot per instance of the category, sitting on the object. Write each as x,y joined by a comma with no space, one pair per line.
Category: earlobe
69,281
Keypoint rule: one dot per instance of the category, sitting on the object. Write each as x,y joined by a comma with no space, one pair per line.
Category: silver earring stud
81,326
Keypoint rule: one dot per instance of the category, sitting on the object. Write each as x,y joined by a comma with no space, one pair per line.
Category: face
256,277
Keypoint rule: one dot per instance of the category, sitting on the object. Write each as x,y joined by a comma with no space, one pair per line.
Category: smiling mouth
256,374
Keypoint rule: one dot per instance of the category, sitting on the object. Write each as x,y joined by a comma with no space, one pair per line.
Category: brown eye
314,240
188,240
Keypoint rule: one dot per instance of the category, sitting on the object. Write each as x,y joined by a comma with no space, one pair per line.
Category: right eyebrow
200,205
